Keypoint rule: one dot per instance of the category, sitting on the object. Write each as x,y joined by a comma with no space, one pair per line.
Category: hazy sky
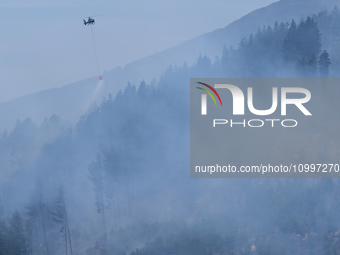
44,43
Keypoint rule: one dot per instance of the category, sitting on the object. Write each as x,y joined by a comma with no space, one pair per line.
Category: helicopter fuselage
89,21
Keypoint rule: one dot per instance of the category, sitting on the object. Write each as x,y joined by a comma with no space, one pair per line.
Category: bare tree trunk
37,238
69,237
65,232
104,225
103,213
129,197
115,210
44,231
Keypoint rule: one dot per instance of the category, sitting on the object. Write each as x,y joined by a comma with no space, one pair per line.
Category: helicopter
89,21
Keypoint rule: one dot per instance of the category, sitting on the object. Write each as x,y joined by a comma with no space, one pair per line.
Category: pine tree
289,47
60,217
324,62
97,178
16,236
224,60
312,68
36,208
29,235
335,27
203,67
302,42
308,38
3,232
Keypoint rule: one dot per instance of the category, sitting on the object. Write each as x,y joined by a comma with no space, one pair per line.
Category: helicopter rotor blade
91,16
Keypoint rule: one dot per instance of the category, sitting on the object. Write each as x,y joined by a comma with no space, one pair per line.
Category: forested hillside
46,103
118,181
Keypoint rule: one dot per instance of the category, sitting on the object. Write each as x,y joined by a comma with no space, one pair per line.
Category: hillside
118,181
72,100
